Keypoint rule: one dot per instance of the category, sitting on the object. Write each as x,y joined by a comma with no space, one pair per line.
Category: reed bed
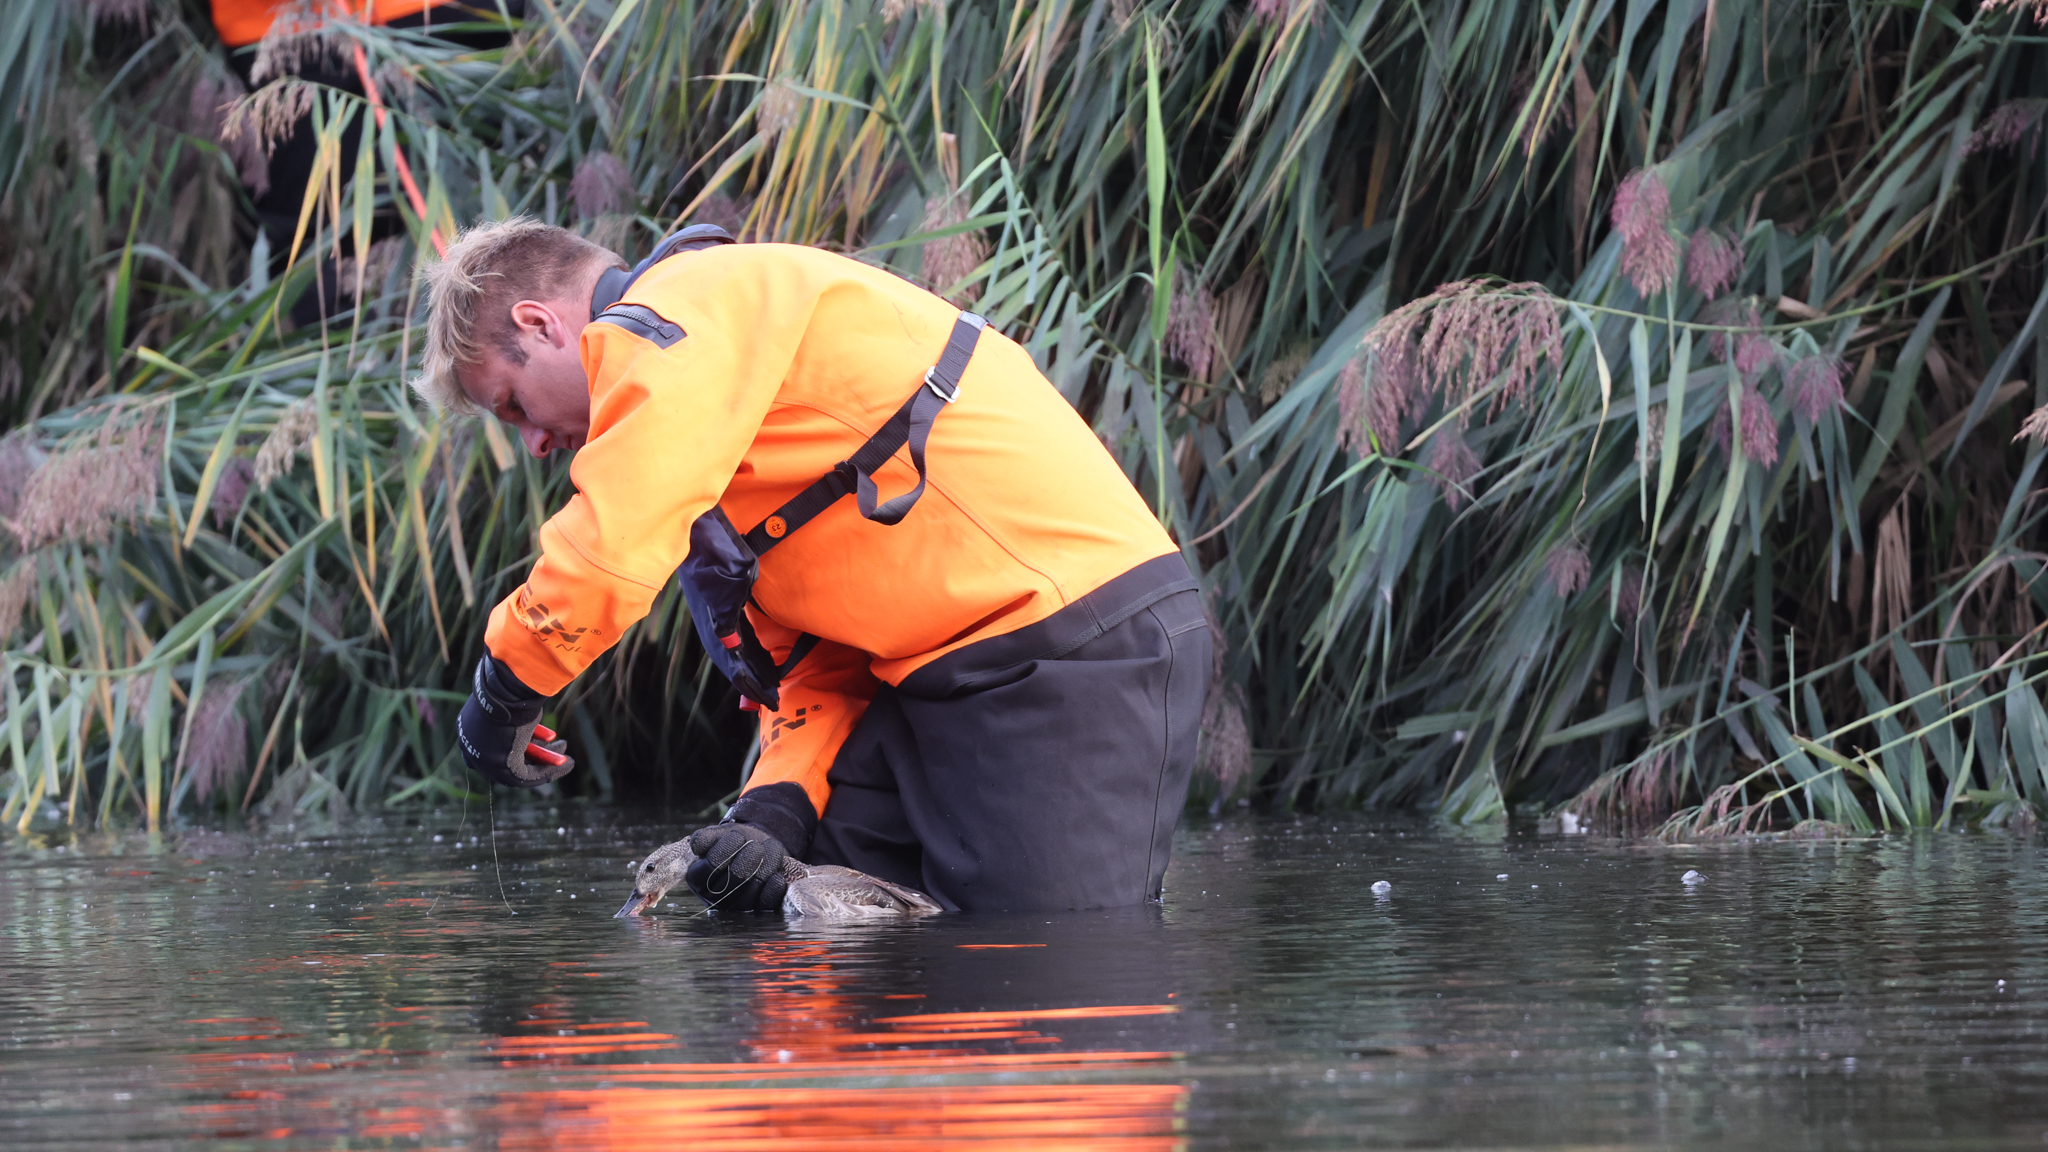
1627,408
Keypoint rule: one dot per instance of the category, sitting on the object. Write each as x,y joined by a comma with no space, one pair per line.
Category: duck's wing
834,892
911,899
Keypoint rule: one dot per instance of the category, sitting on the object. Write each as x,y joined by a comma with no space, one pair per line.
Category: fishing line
491,816
461,829
726,868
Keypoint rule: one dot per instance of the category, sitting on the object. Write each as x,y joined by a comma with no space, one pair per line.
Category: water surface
410,983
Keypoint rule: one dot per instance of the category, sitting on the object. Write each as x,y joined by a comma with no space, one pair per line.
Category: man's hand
738,868
498,722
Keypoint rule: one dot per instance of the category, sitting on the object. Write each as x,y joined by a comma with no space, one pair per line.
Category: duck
816,891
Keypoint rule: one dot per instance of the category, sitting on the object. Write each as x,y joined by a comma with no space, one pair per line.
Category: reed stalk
1623,406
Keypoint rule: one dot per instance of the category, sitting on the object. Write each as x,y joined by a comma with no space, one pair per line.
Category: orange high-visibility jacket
779,362
243,22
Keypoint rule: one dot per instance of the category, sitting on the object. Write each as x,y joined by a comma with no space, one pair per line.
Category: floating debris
1692,877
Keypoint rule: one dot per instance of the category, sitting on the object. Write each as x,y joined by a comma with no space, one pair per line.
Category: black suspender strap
911,425
613,282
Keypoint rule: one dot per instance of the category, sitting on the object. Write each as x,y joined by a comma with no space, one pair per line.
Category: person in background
243,25
978,660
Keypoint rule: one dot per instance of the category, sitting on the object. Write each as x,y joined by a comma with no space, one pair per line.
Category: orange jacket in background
782,361
243,22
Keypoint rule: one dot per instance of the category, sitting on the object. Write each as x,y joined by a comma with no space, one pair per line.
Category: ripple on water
1329,982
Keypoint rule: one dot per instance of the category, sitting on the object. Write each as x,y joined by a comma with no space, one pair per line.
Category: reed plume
294,430
18,587
301,33
1759,427
1568,567
2008,123
1816,385
1191,324
1713,261
216,747
1642,214
231,491
1452,464
93,485
951,259
602,186
1452,344
263,118
2035,426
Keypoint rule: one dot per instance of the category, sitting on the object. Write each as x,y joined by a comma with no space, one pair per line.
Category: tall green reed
1585,524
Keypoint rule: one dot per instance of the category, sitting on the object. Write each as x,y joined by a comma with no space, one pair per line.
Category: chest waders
724,563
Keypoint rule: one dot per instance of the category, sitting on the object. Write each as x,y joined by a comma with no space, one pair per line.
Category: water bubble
1692,877
1381,887
1502,876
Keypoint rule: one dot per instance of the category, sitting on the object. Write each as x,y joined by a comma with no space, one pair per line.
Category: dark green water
371,988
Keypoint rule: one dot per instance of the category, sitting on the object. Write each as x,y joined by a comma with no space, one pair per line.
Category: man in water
981,676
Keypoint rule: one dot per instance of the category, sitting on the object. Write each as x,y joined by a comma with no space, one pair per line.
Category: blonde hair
471,290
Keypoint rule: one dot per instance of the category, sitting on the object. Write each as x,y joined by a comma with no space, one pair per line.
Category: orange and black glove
497,727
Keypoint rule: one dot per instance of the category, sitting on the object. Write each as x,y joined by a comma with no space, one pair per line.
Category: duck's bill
635,904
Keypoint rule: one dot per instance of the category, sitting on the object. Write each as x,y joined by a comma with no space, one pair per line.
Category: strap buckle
934,386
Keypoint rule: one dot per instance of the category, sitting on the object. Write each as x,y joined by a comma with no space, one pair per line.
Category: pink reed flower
1753,350
2038,7
1642,214
601,186
1454,463
1568,567
217,746
231,491
951,259
1713,262
1630,596
1191,324
2009,122
1816,385
1759,427
93,485
1451,343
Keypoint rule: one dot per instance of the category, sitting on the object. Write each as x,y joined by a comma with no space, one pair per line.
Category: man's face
547,398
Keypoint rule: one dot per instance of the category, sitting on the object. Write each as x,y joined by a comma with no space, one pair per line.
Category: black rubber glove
497,723
738,867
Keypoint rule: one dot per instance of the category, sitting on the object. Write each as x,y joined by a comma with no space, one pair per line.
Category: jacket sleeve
670,421
823,697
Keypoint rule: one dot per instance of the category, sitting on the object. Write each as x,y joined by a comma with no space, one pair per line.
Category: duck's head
662,870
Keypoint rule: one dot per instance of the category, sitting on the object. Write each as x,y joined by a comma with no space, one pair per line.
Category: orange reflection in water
806,1029
1119,1116
824,1072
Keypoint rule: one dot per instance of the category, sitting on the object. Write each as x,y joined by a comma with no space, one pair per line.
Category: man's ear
536,320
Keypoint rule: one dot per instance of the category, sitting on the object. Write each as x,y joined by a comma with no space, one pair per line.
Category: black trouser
1042,769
